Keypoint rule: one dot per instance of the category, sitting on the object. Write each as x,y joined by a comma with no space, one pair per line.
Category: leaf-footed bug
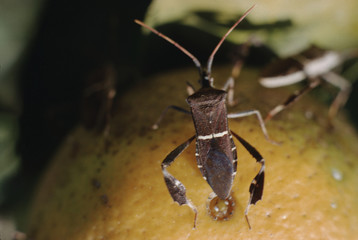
215,149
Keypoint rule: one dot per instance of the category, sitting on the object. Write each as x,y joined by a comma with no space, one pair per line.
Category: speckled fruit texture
113,188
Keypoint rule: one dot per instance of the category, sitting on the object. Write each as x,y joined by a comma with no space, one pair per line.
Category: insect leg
230,83
242,53
292,98
281,81
342,97
259,117
190,88
257,184
101,94
175,187
156,124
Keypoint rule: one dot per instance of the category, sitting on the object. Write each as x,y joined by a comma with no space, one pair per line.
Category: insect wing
218,169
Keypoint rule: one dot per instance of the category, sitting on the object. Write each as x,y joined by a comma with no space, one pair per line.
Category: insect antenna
211,58
205,75
195,60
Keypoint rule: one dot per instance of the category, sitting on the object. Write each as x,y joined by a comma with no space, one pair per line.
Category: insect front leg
190,88
156,124
293,98
259,117
230,83
242,53
175,187
257,185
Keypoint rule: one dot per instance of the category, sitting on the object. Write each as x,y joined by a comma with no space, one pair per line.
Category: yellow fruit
113,188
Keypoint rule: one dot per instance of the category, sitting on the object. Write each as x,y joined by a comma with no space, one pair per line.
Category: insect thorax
208,110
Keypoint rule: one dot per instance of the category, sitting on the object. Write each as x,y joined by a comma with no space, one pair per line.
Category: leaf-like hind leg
175,187
156,124
257,185
293,98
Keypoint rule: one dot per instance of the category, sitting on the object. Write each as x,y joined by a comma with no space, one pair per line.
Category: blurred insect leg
343,95
257,185
230,83
281,81
259,117
156,124
293,98
243,52
229,87
108,113
190,88
175,187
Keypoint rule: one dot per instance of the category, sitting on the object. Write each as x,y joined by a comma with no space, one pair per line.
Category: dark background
76,40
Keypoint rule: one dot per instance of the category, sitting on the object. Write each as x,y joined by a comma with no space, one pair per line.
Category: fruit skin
113,188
